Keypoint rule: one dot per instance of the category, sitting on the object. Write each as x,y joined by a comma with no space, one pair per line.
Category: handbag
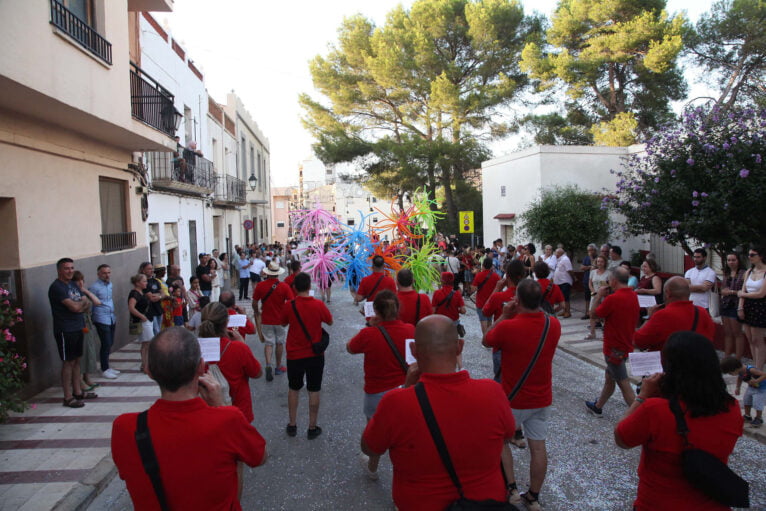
461,504
714,304
707,473
216,373
316,347
136,328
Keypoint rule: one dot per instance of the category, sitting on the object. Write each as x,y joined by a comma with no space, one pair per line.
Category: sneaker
747,419
312,433
269,376
532,503
364,461
110,373
278,371
595,410
756,422
115,370
281,370
291,430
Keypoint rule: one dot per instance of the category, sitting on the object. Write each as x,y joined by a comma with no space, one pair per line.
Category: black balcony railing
230,189
150,102
118,241
68,22
185,171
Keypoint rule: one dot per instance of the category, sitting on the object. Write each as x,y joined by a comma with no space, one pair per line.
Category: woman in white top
598,284
225,272
752,305
215,280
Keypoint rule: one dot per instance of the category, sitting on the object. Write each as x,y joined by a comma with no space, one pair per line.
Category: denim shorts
482,317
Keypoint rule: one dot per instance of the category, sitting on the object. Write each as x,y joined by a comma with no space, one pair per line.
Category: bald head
676,289
227,298
437,345
174,356
621,276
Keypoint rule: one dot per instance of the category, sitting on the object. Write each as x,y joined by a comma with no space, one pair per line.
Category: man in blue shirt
104,318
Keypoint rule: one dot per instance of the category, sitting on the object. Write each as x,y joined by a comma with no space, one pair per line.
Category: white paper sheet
408,357
645,363
237,320
646,301
211,348
369,310
311,293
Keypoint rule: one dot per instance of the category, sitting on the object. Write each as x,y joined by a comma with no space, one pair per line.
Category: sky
261,50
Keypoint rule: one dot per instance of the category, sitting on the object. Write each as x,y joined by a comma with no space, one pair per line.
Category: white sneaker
109,373
115,371
364,460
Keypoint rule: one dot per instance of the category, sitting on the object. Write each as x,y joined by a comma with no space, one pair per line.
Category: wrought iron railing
68,22
230,189
150,102
184,168
118,241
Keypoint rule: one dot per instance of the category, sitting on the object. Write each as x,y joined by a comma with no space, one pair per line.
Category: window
502,191
350,221
260,177
193,246
115,233
374,200
280,204
80,20
83,9
188,125
375,220
252,160
243,159
280,224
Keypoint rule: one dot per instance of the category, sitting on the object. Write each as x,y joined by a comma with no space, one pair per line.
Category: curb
84,492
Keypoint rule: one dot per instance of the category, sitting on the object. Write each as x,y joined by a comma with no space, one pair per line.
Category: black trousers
243,283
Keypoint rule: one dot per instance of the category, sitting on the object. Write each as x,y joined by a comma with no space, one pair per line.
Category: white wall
525,173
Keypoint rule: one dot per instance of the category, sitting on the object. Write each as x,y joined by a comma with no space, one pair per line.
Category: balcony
68,22
117,241
151,103
186,172
229,190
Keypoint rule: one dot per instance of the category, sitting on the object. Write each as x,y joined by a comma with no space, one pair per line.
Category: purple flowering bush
701,181
12,365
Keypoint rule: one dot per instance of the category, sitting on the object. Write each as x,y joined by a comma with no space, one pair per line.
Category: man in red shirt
464,409
301,358
412,305
373,284
678,313
448,301
383,370
295,269
268,319
620,313
198,464
228,300
551,292
484,284
517,334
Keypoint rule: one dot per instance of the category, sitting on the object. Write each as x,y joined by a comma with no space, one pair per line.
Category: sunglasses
753,254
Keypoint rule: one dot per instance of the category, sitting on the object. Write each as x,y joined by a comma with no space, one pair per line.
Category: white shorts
147,332
273,334
534,422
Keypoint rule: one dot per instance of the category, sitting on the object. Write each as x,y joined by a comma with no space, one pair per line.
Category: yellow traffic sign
466,222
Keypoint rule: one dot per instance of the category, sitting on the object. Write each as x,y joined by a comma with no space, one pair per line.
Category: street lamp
253,181
178,116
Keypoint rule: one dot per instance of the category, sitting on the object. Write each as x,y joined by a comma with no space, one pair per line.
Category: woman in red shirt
693,377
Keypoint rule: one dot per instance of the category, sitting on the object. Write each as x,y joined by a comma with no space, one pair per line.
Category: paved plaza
58,458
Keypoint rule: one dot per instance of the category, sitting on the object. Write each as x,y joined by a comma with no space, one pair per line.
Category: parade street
586,469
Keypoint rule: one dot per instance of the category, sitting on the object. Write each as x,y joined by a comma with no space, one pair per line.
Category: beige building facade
74,119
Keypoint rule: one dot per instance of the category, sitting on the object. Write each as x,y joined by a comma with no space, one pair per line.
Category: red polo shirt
673,317
653,426
494,306
620,313
382,370
475,420
313,312
248,329
238,365
490,277
554,296
198,462
368,283
450,308
271,309
518,338
408,306
289,280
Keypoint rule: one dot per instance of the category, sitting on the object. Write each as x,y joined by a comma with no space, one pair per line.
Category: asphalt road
586,470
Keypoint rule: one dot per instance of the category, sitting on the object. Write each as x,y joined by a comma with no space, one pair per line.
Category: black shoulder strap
436,434
298,317
417,308
372,291
478,288
547,290
696,318
149,458
391,345
528,370
266,297
447,300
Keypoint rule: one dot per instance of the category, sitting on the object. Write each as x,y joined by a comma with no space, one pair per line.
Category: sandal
87,387
590,337
531,502
73,402
85,395
518,440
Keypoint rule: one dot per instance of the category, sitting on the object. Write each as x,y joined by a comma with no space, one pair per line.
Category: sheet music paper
211,348
408,357
646,301
237,320
645,363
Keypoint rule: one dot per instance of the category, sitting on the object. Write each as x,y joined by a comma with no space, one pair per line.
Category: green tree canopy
431,77
617,59
567,215
729,43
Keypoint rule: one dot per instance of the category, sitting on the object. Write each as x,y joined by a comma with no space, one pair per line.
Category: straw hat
274,269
